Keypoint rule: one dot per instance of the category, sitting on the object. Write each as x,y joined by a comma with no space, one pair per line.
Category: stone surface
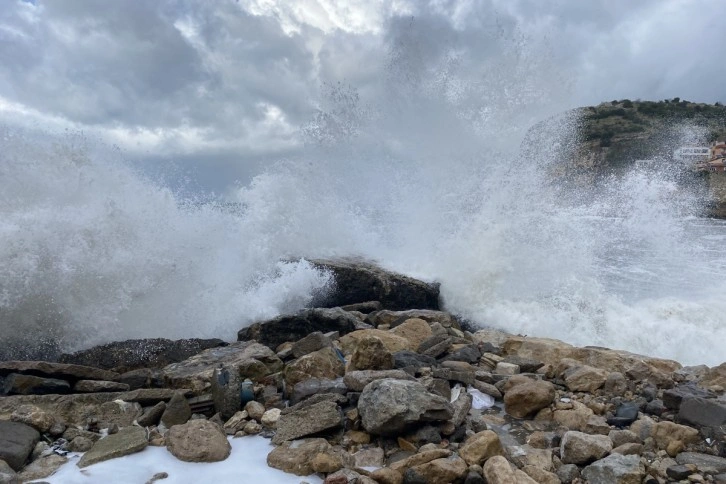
93,386
664,433
177,411
7,474
42,467
294,327
323,364
34,416
480,447
528,398
625,414
123,356
226,386
56,370
444,470
18,384
391,342
580,448
127,440
253,360
313,342
308,420
358,281
152,415
498,471
198,441
584,378
357,380
412,360
415,330
388,407
715,376
615,469
705,463
297,459
17,441
312,386
673,397
371,354
703,412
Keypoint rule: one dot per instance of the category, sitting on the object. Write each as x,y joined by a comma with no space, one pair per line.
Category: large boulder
41,467
388,407
711,464
17,441
527,398
615,469
294,327
123,356
356,281
127,440
198,441
297,459
324,363
308,420
252,360
580,448
176,412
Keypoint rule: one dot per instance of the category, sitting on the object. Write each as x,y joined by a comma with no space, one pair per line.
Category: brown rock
35,417
415,330
528,398
480,447
391,341
579,448
665,433
498,471
371,354
307,420
449,469
41,467
92,386
420,458
56,370
584,378
386,475
177,411
541,476
126,441
323,364
298,459
198,441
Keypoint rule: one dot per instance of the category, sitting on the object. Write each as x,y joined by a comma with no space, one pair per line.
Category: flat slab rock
57,370
704,462
126,441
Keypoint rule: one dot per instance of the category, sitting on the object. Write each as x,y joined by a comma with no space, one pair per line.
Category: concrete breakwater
374,389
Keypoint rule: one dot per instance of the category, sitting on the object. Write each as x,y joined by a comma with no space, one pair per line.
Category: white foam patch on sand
246,462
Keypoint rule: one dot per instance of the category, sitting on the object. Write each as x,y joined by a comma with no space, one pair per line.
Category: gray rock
92,386
526,365
678,472
226,387
388,406
357,380
312,386
56,370
127,440
42,467
198,441
17,384
177,411
17,441
363,307
7,474
412,360
135,379
704,412
151,396
580,448
436,345
152,415
673,397
313,342
468,353
306,421
568,473
615,469
705,463
80,444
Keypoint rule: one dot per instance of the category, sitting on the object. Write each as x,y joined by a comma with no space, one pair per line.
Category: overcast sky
227,84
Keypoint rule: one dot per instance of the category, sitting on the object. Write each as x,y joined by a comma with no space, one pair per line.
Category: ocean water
433,175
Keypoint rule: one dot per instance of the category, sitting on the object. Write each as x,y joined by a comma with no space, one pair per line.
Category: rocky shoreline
375,384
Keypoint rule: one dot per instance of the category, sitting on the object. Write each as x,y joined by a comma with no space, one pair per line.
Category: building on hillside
692,153
717,150
716,161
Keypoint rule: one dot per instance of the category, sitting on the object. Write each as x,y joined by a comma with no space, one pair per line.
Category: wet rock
127,440
17,441
364,307
56,370
309,420
323,364
177,411
487,389
17,384
626,414
528,398
388,407
705,463
42,467
313,342
253,360
124,356
152,415
357,281
371,354
415,330
480,447
357,380
615,469
468,353
294,327
580,448
296,457
93,386
198,441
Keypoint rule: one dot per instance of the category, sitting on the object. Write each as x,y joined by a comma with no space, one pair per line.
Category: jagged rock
386,475
487,389
528,398
358,281
139,378
390,406
419,458
706,463
503,368
17,441
643,371
372,457
616,383
226,387
448,469
679,472
127,440
480,447
584,378
177,411
580,448
357,380
363,307
56,370
703,412
308,420
664,433
151,396
124,356
435,345
396,318
313,342
152,416
628,449
312,386
198,441
371,354
93,386
18,384
526,455
415,330
35,417
467,353
297,459
526,365
615,469
42,467
575,418
253,360
391,342
673,397
568,473
323,364
294,327
715,376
